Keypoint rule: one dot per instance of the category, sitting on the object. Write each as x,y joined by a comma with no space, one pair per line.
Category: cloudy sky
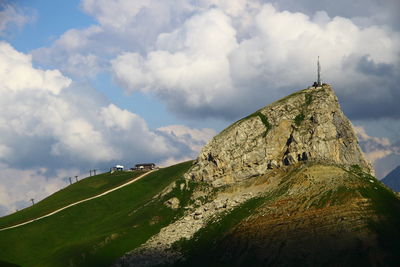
91,83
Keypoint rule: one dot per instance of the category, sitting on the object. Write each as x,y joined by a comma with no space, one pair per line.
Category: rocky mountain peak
308,125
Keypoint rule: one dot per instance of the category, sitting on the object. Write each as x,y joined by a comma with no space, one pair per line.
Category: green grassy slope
82,189
97,232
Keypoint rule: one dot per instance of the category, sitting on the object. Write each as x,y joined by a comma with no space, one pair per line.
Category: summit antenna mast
319,72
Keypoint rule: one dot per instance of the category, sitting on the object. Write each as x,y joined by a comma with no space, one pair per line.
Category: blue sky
88,84
49,20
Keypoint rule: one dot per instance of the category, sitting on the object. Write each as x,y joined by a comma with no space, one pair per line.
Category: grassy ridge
96,232
82,189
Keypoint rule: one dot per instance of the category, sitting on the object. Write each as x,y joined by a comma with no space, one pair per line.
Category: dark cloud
364,12
371,91
368,66
357,105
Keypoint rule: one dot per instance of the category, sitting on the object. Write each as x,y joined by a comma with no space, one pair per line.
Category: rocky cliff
305,126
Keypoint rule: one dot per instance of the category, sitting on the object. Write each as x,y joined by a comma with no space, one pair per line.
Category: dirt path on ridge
78,202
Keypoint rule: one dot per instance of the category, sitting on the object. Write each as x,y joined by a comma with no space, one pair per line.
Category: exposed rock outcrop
305,126
172,203
159,250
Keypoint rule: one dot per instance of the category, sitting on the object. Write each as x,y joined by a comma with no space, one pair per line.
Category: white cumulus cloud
191,72
377,149
17,73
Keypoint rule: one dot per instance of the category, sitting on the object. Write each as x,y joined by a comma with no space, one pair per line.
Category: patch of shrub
299,118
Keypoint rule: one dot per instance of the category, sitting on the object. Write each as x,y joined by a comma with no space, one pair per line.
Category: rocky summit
285,186
305,126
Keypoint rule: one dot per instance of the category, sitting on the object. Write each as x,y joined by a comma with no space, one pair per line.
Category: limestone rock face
308,125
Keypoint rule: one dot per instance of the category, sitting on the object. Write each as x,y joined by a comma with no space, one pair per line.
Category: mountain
393,179
285,186
303,127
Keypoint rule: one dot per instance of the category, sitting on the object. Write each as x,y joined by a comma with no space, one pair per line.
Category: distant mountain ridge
393,179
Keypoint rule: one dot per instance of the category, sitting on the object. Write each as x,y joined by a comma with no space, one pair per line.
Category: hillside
393,179
82,189
318,215
97,232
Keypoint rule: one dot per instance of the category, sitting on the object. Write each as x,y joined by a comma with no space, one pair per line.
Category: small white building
118,168
145,166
